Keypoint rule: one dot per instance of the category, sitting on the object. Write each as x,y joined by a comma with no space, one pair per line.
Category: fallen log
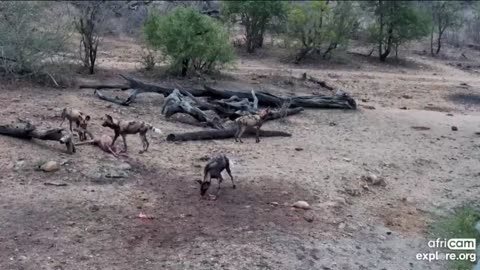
282,114
104,86
113,100
325,102
221,134
25,130
238,100
153,88
264,98
177,103
317,81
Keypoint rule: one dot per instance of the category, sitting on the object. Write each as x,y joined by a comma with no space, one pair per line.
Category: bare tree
87,24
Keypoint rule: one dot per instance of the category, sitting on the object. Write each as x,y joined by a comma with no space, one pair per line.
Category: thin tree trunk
439,40
330,48
380,40
185,67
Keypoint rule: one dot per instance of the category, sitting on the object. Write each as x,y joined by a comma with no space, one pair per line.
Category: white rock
302,205
50,166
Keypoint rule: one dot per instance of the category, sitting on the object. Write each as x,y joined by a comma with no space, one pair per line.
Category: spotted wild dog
123,128
250,121
80,119
104,143
214,169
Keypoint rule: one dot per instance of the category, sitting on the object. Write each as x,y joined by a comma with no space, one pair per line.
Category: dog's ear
109,118
87,118
199,181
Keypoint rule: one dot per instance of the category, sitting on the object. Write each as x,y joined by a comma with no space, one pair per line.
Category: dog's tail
231,163
154,129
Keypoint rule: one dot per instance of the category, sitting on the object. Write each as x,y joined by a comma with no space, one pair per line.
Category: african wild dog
80,119
214,169
248,121
122,128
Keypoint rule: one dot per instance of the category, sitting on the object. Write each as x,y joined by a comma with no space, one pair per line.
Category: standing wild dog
80,119
247,121
104,143
122,128
214,169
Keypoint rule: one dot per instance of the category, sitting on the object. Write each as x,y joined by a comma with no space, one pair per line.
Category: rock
309,217
371,178
301,205
454,128
116,174
340,200
403,108
274,203
353,192
341,226
364,100
420,128
449,114
347,159
124,166
19,165
368,107
407,96
298,149
94,208
50,166
374,180
332,124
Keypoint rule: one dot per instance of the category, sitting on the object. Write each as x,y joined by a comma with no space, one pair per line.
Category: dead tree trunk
114,100
25,130
221,134
232,101
177,103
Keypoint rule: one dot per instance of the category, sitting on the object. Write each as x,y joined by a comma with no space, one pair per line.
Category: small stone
353,192
347,159
341,226
298,149
368,107
274,203
332,124
454,128
124,166
407,96
94,208
50,166
19,165
403,108
449,114
309,217
301,205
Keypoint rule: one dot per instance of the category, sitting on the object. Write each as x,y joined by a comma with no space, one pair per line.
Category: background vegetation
192,35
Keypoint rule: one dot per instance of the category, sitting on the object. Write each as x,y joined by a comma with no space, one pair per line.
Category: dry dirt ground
92,223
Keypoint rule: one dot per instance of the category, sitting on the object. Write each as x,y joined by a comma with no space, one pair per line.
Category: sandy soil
92,223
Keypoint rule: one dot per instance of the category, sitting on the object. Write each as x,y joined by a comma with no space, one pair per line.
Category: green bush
189,40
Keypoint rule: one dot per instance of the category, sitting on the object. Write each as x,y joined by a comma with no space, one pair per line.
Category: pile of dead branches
215,108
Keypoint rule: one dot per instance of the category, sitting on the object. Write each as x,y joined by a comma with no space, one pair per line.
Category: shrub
32,36
396,22
319,27
189,40
255,17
